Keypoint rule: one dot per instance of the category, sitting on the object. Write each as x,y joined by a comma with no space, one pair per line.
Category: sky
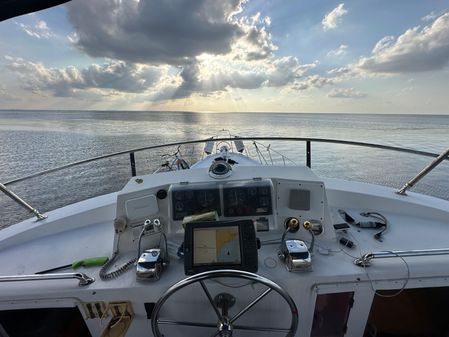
375,56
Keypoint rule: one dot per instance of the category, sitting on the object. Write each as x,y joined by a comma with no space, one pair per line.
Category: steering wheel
226,324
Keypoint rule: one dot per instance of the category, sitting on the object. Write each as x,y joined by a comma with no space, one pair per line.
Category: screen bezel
247,243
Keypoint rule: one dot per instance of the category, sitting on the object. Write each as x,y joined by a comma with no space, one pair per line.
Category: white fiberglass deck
86,230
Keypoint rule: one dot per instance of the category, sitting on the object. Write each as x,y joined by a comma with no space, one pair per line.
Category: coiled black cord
105,276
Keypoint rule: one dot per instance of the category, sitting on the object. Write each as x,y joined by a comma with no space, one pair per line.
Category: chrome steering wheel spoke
184,323
211,301
249,306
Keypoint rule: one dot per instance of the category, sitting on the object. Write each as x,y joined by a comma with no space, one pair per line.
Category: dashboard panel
247,201
243,199
187,202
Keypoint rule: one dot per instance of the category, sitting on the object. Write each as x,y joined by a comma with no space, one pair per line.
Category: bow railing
308,160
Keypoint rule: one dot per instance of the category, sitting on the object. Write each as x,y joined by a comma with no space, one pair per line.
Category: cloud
165,32
190,82
211,43
205,76
431,16
5,95
346,93
113,76
286,70
340,51
216,74
416,50
334,18
313,81
40,29
256,43
339,71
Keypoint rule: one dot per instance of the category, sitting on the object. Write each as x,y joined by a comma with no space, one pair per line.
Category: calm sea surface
31,141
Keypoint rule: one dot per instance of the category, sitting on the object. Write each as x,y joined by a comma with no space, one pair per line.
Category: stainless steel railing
308,155
83,279
308,142
444,155
365,259
22,203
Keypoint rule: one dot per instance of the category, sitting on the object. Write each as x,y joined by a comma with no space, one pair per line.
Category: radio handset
120,225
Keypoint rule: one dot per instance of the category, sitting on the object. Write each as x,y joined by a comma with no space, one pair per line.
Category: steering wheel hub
224,330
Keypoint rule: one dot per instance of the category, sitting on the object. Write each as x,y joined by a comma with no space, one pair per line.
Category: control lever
150,264
295,255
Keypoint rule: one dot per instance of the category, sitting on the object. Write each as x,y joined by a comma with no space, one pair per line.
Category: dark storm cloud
153,31
190,82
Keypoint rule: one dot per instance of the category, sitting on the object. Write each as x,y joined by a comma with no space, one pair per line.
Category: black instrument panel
247,201
237,201
187,202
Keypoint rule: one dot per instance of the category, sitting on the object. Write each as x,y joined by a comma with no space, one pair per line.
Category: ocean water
32,141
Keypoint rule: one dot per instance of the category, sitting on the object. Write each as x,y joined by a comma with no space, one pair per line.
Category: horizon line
231,112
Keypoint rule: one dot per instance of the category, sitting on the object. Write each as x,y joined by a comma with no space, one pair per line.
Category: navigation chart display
217,245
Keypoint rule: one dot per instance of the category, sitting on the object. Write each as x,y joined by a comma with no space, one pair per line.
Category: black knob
161,194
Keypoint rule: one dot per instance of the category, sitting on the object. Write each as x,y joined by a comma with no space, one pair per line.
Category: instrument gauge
178,195
247,200
264,201
205,198
252,191
241,196
189,195
179,206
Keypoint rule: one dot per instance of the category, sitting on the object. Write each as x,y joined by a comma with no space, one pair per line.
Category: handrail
423,172
21,202
299,139
365,259
84,280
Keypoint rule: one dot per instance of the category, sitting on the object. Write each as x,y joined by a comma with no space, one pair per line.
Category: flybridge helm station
218,223
205,219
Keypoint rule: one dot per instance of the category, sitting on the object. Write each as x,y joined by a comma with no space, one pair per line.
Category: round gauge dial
264,201
178,195
179,206
241,197
205,198
252,191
